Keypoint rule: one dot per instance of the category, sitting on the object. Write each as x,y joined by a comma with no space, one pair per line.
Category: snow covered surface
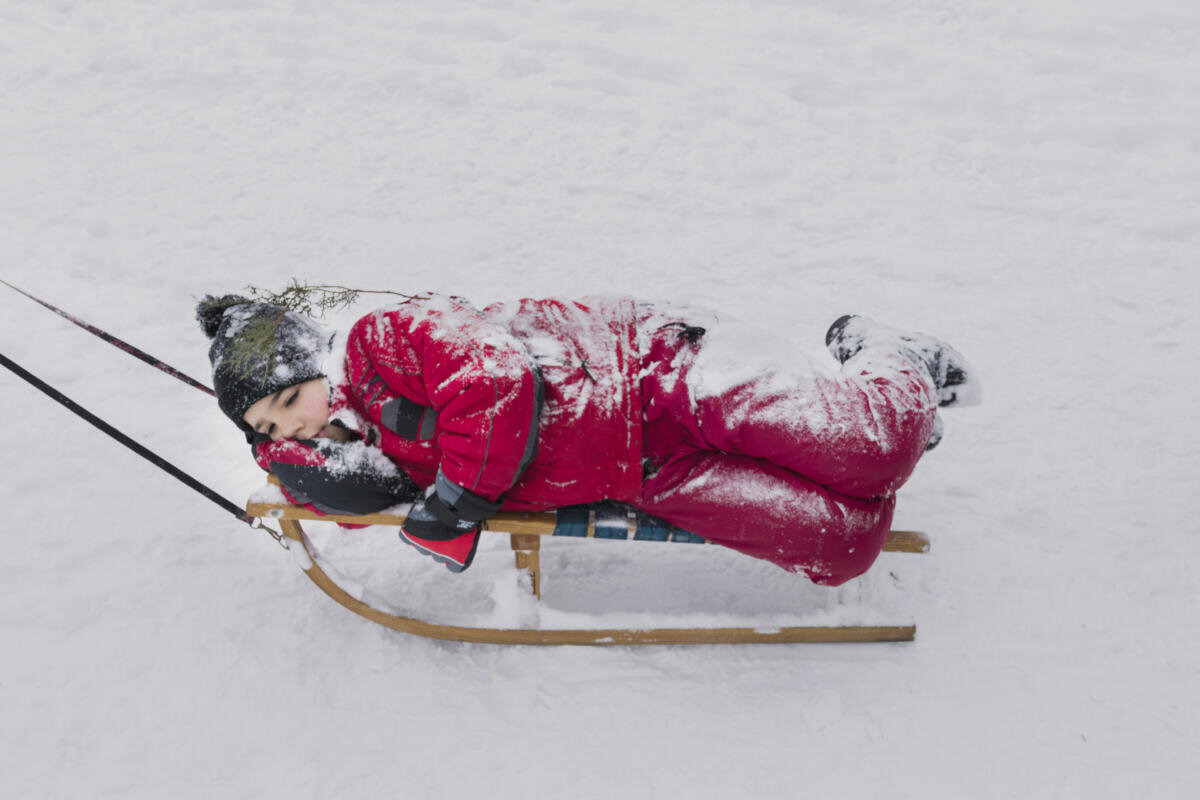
1020,178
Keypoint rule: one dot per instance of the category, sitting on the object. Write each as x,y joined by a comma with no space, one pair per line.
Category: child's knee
849,550
882,464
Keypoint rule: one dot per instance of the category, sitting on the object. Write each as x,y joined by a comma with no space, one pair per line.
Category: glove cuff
462,503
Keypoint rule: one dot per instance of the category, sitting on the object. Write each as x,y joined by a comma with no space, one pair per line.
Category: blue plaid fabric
612,522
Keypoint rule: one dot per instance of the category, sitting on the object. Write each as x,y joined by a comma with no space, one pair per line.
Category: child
715,428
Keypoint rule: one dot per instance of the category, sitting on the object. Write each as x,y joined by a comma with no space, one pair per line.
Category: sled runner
600,521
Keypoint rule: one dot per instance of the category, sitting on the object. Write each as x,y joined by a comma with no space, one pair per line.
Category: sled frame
526,531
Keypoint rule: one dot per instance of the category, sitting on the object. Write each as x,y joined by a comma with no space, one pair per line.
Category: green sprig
313,299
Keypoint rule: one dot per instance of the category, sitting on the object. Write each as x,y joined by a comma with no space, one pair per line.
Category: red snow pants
750,445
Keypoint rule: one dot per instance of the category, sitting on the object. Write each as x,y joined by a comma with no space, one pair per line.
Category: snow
1021,179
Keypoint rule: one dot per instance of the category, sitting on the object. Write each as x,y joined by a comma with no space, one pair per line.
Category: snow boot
956,382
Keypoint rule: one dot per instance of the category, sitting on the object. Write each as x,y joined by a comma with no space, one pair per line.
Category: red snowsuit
547,403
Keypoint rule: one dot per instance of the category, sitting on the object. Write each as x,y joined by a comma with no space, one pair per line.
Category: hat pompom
211,310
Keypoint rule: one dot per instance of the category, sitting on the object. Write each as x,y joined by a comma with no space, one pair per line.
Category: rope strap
149,455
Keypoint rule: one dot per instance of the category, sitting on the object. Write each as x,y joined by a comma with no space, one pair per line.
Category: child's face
297,412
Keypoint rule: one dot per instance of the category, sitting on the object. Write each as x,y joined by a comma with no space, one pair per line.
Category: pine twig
315,299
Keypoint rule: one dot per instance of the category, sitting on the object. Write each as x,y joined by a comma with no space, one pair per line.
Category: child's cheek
318,407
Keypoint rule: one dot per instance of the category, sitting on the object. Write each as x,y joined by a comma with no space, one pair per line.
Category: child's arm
479,381
333,477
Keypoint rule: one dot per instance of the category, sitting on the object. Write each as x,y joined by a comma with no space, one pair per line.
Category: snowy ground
1022,178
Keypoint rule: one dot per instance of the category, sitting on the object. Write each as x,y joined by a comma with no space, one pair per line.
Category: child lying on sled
729,433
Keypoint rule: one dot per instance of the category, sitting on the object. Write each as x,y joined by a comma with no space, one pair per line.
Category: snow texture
1021,179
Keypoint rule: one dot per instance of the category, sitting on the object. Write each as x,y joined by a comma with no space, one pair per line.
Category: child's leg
768,512
858,430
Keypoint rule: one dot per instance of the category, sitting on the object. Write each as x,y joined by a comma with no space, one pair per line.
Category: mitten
335,477
439,533
446,524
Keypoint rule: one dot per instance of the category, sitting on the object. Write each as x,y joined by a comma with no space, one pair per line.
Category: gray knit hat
258,349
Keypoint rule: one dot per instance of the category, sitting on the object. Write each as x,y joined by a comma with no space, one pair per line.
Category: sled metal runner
526,530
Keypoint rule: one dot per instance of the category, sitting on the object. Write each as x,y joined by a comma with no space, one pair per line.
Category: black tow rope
149,455
144,452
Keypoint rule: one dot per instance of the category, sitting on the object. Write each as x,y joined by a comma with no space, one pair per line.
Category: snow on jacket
761,451
532,405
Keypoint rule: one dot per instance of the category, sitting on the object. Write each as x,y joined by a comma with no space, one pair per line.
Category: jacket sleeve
479,381
336,477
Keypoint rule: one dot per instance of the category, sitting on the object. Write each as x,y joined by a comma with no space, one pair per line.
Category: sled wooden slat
615,636
906,542
526,530
517,523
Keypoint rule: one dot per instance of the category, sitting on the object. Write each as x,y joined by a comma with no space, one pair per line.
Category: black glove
334,477
446,524
432,519
447,534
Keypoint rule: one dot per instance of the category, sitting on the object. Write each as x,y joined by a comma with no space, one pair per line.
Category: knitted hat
257,349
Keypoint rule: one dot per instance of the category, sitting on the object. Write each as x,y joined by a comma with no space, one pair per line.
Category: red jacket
535,404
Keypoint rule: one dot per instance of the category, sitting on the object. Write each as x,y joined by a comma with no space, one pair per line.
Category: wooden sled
603,521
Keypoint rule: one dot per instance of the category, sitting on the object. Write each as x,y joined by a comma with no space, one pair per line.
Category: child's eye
292,399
